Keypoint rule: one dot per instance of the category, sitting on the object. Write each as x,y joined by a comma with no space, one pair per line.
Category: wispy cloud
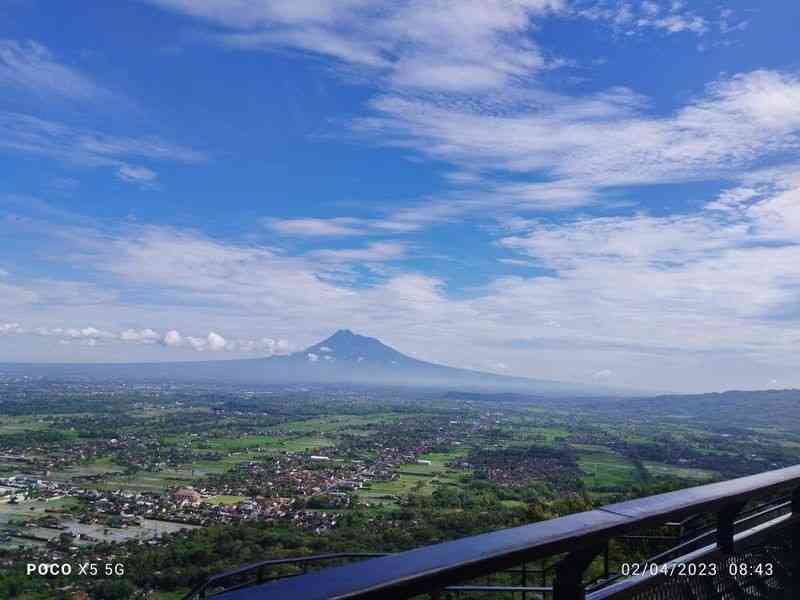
609,139
141,175
375,252
311,227
632,16
28,134
31,67
460,83
451,45
398,221
53,293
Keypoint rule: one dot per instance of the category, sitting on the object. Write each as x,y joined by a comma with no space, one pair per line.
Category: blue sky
585,190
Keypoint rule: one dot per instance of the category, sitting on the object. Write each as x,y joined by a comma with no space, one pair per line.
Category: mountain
346,357
346,346
343,358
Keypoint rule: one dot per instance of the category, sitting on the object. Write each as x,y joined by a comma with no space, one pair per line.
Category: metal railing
258,571
577,540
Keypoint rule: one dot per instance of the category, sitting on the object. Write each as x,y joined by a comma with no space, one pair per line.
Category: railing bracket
726,519
568,583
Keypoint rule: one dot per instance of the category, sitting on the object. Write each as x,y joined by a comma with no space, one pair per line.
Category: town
107,471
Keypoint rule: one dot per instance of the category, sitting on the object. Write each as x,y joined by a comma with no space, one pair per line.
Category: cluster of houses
19,486
294,475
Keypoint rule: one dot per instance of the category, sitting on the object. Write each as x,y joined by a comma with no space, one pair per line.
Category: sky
596,191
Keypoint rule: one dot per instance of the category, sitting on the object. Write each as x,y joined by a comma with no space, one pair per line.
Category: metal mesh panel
761,573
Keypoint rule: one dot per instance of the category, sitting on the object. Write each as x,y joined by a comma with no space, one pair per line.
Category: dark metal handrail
581,536
201,589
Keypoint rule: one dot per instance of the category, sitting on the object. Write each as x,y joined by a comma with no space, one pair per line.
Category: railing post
795,542
725,526
524,580
568,582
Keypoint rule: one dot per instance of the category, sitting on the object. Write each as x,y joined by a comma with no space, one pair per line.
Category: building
187,495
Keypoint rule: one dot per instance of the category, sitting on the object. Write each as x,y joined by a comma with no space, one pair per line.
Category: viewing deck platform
746,546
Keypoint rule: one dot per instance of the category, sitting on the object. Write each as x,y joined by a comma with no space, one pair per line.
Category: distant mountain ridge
343,358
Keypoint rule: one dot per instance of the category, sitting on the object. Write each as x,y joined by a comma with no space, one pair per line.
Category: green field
333,423
655,468
11,425
224,500
401,486
415,478
241,443
607,469
304,444
100,466
145,481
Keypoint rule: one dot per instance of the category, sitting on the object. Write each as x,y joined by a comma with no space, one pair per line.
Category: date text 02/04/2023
698,569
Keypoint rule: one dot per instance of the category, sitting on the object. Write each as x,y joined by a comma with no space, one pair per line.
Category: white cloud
399,221
144,336
336,227
147,336
633,16
214,342
132,174
173,339
709,282
374,252
586,144
32,135
53,293
677,23
312,357
217,342
460,85
199,344
265,345
75,333
31,67
449,45
10,328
